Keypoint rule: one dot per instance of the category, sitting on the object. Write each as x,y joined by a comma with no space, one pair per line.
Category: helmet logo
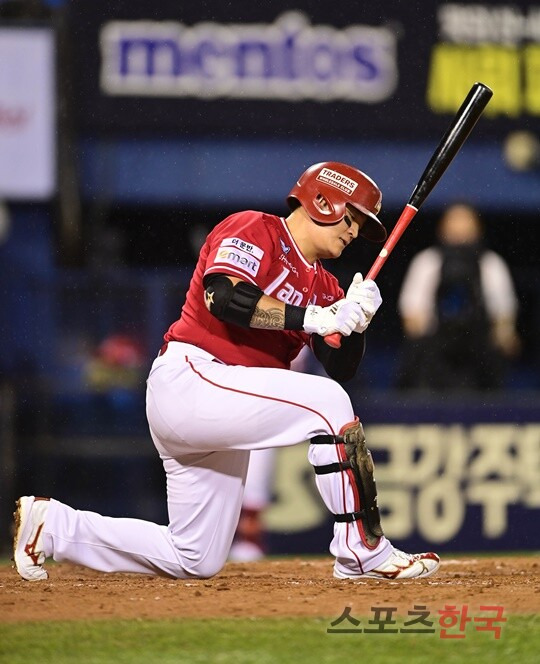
337,180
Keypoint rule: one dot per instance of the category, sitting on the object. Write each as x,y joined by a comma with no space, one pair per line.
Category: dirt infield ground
287,587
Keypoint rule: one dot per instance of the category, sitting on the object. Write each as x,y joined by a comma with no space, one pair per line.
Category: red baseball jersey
257,248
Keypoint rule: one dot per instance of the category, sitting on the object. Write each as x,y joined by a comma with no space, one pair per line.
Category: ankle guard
359,468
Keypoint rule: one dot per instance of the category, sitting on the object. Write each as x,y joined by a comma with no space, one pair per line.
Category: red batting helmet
325,189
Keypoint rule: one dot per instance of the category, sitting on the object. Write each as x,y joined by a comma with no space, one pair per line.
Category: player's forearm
250,307
244,304
269,314
235,301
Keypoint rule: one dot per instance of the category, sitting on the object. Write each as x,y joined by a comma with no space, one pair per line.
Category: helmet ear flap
323,205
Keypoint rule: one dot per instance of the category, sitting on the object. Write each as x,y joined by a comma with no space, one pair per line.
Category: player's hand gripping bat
464,120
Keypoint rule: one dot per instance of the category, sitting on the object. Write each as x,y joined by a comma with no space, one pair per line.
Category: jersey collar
304,260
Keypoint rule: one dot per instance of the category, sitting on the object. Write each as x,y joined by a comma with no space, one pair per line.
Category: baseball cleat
28,554
400,565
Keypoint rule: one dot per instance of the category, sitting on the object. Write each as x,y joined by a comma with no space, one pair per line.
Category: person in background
458,308
118,364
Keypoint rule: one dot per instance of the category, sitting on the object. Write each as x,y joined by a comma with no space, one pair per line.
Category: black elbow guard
231,303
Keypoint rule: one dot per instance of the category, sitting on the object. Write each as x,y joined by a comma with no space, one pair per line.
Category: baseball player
221,387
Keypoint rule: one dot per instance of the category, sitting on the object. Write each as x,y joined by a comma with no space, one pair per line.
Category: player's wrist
314,321
294,317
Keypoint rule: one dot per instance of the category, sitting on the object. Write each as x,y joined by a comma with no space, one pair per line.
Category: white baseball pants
204,419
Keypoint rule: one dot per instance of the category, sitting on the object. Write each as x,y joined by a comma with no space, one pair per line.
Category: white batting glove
366,294
343,316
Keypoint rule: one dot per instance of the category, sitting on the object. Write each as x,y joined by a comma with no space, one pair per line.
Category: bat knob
333,340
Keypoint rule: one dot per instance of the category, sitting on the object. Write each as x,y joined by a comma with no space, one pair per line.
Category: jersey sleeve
241,246
334,288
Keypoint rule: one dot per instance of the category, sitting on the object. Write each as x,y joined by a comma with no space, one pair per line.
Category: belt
163,350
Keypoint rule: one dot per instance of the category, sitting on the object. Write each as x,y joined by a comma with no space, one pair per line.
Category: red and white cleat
28,554
399,565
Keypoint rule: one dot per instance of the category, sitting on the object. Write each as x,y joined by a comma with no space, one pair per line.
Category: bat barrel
465,119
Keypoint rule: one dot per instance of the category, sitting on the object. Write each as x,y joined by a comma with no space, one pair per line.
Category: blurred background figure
113,380
119,363
249,541
458,308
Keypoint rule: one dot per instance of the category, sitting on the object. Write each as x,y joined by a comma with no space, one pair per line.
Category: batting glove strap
343,316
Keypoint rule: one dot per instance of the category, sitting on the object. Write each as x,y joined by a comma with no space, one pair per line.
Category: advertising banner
27,113
441,487
342,70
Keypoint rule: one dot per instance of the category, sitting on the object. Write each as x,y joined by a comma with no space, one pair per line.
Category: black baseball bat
464,120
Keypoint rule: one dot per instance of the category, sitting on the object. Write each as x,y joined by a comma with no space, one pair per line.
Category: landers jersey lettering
257,248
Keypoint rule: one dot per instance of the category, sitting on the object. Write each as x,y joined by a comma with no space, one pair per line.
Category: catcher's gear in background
324,190
367,295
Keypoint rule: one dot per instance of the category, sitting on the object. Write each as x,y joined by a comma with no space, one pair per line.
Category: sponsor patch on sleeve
242,260
249,248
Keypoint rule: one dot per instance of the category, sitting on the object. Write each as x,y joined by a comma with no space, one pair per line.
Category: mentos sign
288,59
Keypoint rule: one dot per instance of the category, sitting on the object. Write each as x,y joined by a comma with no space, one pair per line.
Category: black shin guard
360,464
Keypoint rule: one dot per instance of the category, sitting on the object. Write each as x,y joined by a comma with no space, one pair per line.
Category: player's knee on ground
204,567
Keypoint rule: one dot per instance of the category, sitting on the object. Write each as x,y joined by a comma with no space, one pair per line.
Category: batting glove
366,294
343,316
